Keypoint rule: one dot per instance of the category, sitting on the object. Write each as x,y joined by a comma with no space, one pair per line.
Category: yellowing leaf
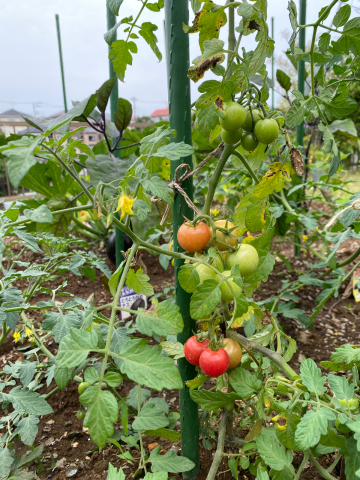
238,322
274,179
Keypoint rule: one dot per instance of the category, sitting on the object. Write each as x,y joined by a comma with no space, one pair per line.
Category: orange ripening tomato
233,349
193,239
229,240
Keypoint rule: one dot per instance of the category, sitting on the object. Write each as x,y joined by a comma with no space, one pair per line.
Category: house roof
11,112
161,112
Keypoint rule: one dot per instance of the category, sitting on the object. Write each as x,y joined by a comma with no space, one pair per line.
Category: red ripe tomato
193,239
214,362
193,349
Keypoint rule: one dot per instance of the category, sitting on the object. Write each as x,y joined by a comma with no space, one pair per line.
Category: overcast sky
30,70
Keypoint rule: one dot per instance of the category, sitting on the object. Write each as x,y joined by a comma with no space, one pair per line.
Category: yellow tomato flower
171,244
28,332
16,336
283,422
125,205
304,237
215,212
31,339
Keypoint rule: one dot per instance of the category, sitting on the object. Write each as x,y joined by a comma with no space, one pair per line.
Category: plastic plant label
130,299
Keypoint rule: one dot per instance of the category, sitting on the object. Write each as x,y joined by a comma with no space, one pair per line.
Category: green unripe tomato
226,293
267,130
257,115
205,273
235,116
342,428
353,403
80,415
231,137
82,387
217,263
246,257
249,142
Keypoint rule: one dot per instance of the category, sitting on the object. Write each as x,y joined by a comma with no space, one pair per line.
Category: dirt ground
68,450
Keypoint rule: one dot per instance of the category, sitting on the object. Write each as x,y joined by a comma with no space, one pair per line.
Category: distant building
12,116
160,115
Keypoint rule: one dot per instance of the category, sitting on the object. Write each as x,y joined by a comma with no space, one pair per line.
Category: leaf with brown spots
211,57
274,179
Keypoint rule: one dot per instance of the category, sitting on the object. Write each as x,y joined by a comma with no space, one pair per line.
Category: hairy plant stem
220,447
302,465
5,332
214,180
142,460
246,165
114,309
57,212
320,469
275,357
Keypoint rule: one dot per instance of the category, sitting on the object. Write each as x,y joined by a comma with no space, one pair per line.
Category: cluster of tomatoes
248,126
213,362
195,238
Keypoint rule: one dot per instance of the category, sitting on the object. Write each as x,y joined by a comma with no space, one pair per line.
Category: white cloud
30,70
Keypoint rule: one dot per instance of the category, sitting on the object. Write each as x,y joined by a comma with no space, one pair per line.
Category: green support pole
61,60
301,88
177,43
272,67
301,67
111,21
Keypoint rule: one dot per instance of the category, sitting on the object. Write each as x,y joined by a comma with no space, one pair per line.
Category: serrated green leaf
341,387
165,320
213,401
189,278
174,349
102,413
159,188
311,376
147,32
27,428
120,55
26,401
169,462
312,425
275,455
244,382
74,348
40,215
205,299
342,16
174,151
60,324
139,281
144,364
6,461
164,433
150,417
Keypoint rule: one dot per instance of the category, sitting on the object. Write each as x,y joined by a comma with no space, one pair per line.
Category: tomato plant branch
302,465
220,447
246,165
214,180
142,459
275,357
320,469
136,19
5,332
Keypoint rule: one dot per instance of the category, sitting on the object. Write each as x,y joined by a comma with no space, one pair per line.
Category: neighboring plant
99,352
